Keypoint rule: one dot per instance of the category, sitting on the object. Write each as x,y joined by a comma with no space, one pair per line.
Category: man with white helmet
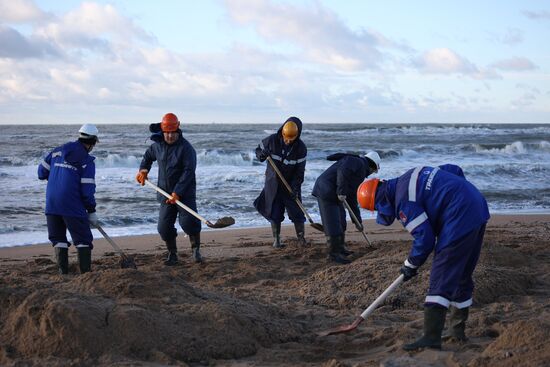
339,182
70,197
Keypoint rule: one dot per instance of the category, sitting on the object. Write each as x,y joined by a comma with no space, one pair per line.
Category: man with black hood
288,152
339,182
446,215
177,161
70,197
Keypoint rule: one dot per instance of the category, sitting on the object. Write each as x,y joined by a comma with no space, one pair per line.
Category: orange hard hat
169,123
290,130
366,193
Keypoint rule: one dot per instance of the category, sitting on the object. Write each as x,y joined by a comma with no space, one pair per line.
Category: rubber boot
276,230
300,233
172,248
335,255
62,258
345,251
434,321
84,259
195,246
457,324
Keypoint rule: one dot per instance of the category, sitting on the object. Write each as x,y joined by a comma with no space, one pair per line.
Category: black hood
156,132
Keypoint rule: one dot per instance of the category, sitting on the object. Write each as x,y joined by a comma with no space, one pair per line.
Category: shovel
317,226
220,223
367,312
126,262
356,221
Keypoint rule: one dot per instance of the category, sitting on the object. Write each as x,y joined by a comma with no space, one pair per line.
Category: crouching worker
177,161
446,215
338,183
288,152
70,198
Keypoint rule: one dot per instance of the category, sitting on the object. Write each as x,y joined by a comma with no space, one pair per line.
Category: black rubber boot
62,258
334,254
84,259
195,246
172,248
345,251
457,324
434,321
276,230
300,233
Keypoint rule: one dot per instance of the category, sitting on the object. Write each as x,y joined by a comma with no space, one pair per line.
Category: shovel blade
342,329
222,222
127,262
317,226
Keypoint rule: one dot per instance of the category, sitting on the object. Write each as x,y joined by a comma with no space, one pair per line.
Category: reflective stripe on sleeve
407,263
45,165
416,222
87,180
276,157
412,183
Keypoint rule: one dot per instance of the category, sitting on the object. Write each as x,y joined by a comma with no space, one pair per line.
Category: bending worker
70,198
445,214
177,161
289,153
338,183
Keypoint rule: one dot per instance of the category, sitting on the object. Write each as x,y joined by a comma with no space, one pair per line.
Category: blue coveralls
444,213
342,178
177,163
291,161
70,194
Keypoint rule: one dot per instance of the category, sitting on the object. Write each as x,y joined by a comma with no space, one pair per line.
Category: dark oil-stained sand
251,305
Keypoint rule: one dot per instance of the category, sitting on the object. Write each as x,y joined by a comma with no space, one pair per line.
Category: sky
261,61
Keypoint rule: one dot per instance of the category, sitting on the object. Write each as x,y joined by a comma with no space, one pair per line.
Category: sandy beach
251,305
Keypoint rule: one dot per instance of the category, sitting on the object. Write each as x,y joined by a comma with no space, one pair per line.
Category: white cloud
20,11
15,45
542,14
515,64
444,61
318,32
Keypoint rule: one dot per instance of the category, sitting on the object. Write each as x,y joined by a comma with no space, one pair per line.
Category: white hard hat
88,131
373,156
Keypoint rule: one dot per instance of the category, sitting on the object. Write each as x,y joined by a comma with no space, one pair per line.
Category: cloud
536,15
319,33
444,61
15,45
515,64
20,11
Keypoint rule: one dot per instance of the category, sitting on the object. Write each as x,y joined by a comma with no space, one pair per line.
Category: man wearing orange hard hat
288,152
177,161
446,215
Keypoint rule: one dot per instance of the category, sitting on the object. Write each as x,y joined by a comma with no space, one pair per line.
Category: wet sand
251,305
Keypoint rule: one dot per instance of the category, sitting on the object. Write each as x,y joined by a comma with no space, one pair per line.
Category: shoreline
221,242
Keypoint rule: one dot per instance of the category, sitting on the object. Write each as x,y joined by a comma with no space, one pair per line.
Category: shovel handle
188,209
381,298
281,177
115,246
356,221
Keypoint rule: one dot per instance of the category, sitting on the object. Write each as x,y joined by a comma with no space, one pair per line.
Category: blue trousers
283,201
79,228
333,216
451,282
168,214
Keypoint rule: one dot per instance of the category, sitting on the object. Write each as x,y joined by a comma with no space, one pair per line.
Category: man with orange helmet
177,161
289,153
70,197
446,215
339,182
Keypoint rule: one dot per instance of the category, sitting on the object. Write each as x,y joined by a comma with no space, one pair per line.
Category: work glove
408,272
141,177
262,154
359,226
342,198
175,197
92,218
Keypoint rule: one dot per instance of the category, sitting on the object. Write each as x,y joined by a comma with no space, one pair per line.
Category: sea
509,163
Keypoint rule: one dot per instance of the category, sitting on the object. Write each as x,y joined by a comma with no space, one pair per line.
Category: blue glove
92,218
408,272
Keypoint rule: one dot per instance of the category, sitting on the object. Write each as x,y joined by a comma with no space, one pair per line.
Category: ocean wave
216,157
517,147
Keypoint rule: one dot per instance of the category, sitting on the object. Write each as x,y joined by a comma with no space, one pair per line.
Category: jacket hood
384,202
298,123
74,153
156,133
